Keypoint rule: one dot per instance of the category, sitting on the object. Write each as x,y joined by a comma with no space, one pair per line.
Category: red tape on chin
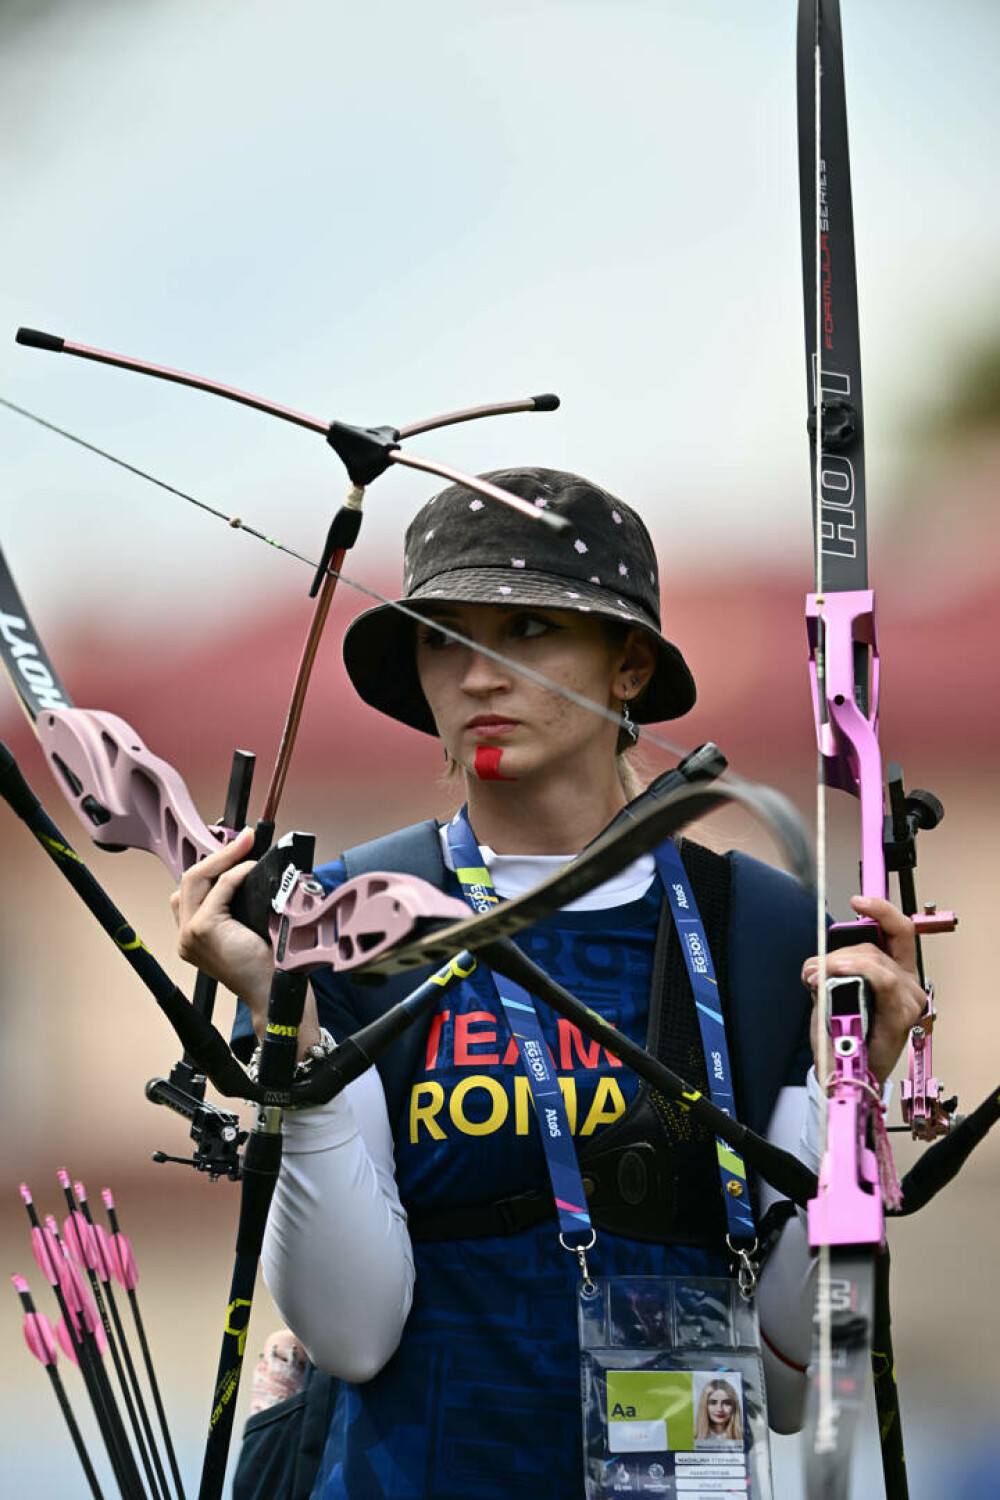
487,763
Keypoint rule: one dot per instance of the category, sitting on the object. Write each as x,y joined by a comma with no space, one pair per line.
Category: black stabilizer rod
781,1169
200,1040
261,1165
706,763
357,1053
35,339
939,1163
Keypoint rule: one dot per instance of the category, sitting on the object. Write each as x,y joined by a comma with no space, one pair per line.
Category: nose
482,674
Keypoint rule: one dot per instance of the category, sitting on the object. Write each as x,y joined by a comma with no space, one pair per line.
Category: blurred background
380,212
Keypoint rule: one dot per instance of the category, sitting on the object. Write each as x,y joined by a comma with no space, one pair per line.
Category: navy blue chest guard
645,1175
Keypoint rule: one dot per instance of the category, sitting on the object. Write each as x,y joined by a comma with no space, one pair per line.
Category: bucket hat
464,549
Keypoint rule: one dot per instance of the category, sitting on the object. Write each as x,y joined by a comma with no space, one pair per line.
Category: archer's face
482,705
720,1410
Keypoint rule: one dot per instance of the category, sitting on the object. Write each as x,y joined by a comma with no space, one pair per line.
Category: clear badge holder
673,1390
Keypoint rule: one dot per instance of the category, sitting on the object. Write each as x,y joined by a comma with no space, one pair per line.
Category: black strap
415,850
627,1187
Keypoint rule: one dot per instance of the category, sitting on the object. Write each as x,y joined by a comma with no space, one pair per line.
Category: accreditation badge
673,1389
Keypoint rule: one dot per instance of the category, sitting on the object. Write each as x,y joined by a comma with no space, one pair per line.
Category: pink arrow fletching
77,1239
69,1278
39,1337
46,1253
80,1301
97,1239
119,1250
71,1289
106,1247
65,1342
102,1253
74,1288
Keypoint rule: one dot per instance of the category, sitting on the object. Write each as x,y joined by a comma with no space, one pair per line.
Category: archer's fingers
897,929
201,877
864,959
215,901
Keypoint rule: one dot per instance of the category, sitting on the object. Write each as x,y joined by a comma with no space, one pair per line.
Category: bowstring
662,742
234,521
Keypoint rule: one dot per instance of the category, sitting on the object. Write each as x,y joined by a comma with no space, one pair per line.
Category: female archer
718,1421
418,1239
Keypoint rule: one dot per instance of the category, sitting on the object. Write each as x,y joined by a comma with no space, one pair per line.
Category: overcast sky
377,211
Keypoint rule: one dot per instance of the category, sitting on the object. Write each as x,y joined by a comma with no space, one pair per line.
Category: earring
629,729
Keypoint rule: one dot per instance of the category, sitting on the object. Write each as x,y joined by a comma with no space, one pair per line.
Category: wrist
309,1052
311,1035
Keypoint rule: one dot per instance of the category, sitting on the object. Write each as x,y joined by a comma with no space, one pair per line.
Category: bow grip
847,1209
848,935
253,903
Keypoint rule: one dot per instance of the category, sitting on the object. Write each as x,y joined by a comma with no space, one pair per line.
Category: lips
486,726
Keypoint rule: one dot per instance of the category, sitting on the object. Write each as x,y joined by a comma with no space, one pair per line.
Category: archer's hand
210,937
899,997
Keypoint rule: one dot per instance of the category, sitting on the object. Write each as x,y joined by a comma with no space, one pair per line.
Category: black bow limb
200,1039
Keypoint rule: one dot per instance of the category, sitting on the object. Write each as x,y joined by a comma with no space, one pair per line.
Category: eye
431,638
527,626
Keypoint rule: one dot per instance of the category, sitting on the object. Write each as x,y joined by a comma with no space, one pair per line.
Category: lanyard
557,1141
701,971
576,1233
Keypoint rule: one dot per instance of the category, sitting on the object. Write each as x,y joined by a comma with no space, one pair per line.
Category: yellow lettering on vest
423,1113
607,1106
497,1114
571,1039
522,1098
